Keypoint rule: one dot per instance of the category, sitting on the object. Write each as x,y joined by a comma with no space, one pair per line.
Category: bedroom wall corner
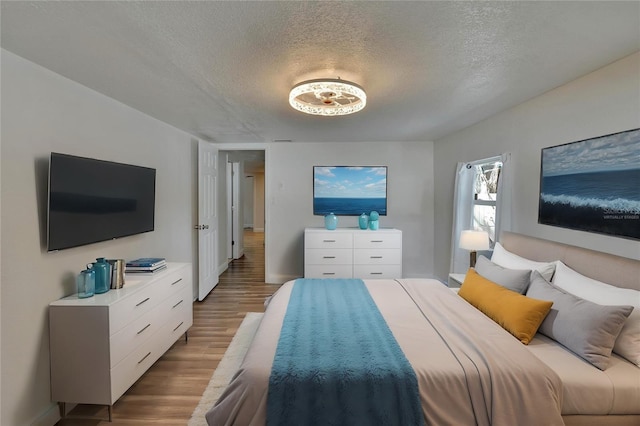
602,102
43,112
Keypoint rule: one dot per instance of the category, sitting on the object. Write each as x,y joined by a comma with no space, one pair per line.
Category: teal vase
86,283
101,268
331,221
363,221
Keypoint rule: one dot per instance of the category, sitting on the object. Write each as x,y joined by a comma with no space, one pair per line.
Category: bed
468,369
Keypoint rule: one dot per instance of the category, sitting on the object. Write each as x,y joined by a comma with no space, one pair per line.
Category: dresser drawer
328,240
328,271
328,256
367,240
139,303
136,305
124,374
133,335
177,302
377,271
178,322
377,256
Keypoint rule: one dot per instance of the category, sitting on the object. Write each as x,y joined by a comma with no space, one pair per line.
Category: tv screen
349,190
93,200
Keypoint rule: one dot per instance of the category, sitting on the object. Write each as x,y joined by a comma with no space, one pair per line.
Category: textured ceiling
222,70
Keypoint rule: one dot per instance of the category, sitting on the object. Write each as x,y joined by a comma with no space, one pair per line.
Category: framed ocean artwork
593,185
349,190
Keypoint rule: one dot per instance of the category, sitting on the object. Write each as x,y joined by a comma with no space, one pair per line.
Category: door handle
200,227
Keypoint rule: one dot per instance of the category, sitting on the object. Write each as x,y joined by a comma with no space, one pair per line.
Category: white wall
44,112
600,103
248,196
258,202
290,191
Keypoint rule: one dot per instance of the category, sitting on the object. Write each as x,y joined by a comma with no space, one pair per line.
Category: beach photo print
593,185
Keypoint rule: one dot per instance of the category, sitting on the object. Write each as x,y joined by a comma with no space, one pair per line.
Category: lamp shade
474,240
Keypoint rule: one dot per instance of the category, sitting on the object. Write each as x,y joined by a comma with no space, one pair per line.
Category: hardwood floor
168,393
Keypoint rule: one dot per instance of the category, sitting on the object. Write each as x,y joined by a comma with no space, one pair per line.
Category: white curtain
463,207
462,211
505,189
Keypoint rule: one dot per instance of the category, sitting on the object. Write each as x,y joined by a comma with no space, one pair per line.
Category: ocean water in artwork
349,206
603,201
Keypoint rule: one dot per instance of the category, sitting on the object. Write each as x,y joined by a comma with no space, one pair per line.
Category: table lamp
474,241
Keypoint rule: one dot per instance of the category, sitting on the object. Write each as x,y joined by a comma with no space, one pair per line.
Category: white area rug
228,366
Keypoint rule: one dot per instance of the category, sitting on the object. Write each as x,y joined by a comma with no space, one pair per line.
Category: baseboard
223,267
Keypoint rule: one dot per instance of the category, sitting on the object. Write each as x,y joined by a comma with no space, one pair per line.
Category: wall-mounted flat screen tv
94,200
349,190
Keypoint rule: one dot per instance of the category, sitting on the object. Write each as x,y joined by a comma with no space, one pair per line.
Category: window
485,195
482,202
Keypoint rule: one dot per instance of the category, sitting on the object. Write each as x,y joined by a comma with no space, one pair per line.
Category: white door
207,226
237,213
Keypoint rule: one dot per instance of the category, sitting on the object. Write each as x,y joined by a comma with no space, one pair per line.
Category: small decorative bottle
373,220
363,221
86,282
331,221
103,281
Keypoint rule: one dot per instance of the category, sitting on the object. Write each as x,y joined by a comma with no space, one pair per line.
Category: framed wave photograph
349,190
593,185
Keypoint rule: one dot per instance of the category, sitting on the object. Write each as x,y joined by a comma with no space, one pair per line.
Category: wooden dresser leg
110,409
186,337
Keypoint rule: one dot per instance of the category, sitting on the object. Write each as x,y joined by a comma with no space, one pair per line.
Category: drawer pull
376,273
328,273
176,282
145,327
377,241
328,241
143,358
328,257
178,326
177,304
376,257
145,300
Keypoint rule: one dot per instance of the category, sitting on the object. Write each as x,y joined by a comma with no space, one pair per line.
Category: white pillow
628,342
506,259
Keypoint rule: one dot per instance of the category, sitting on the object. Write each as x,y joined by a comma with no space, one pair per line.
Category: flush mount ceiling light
327,97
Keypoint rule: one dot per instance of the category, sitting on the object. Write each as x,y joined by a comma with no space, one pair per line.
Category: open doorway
244,200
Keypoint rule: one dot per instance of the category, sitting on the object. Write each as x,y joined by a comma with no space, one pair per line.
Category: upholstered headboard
608,268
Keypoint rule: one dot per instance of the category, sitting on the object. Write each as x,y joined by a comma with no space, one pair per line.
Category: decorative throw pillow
587,329
628,342
513,279
506,259
518,314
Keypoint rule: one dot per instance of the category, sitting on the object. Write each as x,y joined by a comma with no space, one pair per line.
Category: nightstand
455,280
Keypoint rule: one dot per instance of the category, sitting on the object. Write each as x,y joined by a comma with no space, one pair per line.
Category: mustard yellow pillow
519,315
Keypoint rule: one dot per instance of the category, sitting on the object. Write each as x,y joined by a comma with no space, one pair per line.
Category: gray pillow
587,329
513,279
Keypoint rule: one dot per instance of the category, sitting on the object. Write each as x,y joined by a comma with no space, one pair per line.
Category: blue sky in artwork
350,182
620,151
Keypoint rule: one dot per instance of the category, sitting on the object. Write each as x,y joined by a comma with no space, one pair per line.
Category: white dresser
101,345
352,253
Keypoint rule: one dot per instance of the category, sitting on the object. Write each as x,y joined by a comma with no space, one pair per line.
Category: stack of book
146,265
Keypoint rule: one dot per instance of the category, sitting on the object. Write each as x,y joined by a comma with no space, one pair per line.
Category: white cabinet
101,345
352,253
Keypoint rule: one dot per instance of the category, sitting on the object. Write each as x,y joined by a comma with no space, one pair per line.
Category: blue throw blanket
337,362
